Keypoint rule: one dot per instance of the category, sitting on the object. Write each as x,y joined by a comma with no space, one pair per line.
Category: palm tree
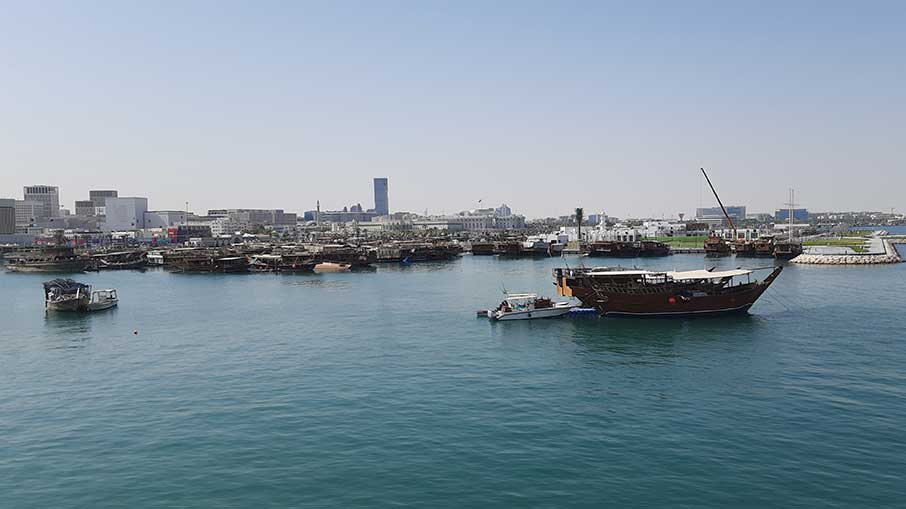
580,215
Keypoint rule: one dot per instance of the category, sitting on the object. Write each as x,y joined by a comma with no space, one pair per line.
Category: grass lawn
682,241
857,245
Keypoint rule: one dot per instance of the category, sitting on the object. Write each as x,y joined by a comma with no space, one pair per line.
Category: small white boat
528,306
103,299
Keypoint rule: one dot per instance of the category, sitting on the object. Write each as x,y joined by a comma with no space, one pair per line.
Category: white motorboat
103,299
528,306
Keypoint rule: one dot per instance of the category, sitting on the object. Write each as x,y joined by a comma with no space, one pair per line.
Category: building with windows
488,219
99,197
125,214
713,215
800,215
84,208
381,198
49,196
250,217
7,216
28,212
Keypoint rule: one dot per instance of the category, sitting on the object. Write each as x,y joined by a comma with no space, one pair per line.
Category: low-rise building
800,215
165,218
125,213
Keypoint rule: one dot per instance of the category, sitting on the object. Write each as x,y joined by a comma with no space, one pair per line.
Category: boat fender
671,300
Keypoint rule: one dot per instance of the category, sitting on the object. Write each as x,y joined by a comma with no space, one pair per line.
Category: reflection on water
633,340
314,280
68,330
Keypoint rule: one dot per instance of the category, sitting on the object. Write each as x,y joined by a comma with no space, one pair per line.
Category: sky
546,106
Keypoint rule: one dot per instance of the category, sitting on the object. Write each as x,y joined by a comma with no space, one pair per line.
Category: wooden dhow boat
59,259
66,295
635,292
122,260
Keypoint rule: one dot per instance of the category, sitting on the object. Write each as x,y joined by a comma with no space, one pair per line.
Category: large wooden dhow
56,259
634,292
121,260
210,262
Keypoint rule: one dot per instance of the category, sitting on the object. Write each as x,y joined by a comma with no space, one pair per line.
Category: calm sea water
383,388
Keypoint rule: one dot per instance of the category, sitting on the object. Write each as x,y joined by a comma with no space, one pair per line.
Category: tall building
29,212
99,197
381,202
49,196
124,214
7,216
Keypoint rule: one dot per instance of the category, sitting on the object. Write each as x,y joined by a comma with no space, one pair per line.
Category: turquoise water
383,388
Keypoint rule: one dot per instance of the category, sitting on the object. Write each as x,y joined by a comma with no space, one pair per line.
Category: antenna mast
733,226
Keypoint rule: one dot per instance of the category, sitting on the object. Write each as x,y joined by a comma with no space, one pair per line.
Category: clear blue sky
542,105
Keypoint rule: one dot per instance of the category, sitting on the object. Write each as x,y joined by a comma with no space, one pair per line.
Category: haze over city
541,106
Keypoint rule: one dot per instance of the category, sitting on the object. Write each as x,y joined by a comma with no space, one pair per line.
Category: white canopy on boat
514,297
705,274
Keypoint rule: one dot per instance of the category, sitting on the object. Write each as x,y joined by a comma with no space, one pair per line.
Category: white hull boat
528,306
103,299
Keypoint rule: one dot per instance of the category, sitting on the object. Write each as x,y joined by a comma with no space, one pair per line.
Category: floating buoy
135,332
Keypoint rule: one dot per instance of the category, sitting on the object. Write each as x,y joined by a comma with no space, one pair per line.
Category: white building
125,214
662,228
164,218
47,195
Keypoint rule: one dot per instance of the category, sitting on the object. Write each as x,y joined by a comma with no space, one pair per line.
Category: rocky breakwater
889,255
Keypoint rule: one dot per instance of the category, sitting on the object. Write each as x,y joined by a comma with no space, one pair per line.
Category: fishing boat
716,246
527,306
789,248
653,248
614,249
70,295
66,295
482,248
296,263
636,292
60,259
121,260
744,248
210,263
358,258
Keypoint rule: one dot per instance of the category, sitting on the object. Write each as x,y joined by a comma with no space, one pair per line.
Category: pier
882,250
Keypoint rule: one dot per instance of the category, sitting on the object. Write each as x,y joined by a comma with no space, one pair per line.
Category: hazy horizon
544,107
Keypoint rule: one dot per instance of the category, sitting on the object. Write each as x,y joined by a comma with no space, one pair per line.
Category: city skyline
610,107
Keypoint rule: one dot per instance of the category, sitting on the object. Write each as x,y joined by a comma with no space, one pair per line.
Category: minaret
318,213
